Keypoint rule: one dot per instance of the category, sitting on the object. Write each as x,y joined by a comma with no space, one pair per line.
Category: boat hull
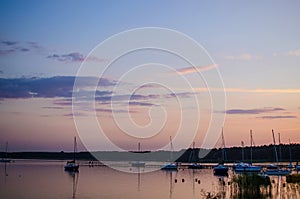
247,168
138,164
74,168
5,160
221,170
195,166
173,167
278,172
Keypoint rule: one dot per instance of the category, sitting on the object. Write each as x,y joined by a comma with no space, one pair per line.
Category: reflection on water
74,176
47,179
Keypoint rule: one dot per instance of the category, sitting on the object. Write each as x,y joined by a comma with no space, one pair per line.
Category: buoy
198,181
182,180
175,180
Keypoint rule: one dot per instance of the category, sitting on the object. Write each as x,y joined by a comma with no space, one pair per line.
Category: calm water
25,179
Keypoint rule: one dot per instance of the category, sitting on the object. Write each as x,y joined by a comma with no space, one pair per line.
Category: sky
245,74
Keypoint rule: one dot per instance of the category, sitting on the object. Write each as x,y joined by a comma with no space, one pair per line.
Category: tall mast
139,146
75,146
280,154
172,149
224,150
251,142
290,150
6,149
242,151
276,156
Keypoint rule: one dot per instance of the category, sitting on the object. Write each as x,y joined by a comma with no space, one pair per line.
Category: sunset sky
254,49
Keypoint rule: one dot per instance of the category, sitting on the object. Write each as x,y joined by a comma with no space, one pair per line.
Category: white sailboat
72,165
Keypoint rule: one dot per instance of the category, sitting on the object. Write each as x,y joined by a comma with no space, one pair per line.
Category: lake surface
28,179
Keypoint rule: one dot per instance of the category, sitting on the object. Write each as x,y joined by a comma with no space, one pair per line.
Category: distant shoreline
260,154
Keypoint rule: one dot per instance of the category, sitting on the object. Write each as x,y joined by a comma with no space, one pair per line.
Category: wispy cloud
243,90
8,47
294,52
189,70
58,86
271,117
134,103
70,57
73,57
243,57
9,43
106,110
252,111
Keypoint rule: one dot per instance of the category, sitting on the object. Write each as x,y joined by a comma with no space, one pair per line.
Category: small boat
221,169
195,166
278,172
290,166
191,159
72,165
245,168
170,166
5,160
138,163
274,169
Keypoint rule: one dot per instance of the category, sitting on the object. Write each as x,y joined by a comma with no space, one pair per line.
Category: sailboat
290,166
244,167
170,166
192,157
273,169
138,163
72,165
221,169
5,159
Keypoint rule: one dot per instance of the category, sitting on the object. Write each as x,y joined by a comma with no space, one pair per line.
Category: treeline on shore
233,154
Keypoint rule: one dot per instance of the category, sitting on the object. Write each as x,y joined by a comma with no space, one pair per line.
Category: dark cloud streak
252,111
270,117
58,86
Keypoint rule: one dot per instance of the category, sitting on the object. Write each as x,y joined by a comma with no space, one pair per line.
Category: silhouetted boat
195,166
273,169
138,163
191,158
170,166
221,169
278,172
5,159
72,165
290,166
245,167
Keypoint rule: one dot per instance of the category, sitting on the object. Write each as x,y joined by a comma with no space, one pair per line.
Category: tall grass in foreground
251,186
